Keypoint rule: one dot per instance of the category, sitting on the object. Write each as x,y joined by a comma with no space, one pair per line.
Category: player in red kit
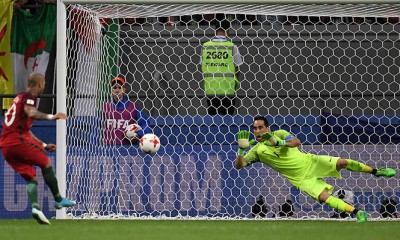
22,150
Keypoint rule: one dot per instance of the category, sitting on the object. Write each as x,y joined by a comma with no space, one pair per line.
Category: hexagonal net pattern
328,74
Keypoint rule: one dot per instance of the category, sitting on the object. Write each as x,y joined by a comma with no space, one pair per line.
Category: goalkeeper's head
260,126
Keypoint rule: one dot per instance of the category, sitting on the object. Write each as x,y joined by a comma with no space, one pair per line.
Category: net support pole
61,102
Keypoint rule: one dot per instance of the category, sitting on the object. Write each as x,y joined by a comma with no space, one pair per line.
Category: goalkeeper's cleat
64,203
39,216
362,216
386,172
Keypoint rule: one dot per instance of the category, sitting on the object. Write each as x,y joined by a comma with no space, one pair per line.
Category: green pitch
197,230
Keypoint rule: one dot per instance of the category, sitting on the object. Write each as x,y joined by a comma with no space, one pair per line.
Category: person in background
121,112
389,208
220,66
348,197
19,3
259,209
286,209
23,150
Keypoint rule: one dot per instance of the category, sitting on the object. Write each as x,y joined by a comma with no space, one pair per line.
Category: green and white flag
31,42
95,59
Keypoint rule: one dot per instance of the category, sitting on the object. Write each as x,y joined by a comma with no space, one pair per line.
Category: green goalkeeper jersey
290,162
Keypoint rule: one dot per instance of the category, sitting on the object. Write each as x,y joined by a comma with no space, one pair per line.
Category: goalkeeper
279,150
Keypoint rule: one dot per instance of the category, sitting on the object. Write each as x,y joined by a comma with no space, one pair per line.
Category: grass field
193,230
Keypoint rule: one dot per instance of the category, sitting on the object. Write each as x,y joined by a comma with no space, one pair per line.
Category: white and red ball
149,143
131,131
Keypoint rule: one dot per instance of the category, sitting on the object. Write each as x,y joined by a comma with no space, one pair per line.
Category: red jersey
17,125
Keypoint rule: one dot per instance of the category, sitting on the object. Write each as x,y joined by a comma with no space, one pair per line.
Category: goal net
329,74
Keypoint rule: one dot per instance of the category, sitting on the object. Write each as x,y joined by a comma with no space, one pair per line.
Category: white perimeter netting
327,73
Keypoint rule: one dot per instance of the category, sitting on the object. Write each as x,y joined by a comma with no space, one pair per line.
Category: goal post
61,102
328,73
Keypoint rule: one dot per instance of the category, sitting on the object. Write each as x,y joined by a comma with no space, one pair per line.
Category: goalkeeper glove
270,140
244,143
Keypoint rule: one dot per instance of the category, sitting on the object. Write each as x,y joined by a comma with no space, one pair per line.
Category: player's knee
28,177
48,164
323,196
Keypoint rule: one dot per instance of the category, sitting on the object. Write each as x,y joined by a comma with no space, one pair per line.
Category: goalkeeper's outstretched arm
244,142
240,162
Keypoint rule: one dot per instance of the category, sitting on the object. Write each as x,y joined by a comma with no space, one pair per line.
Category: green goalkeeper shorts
322,166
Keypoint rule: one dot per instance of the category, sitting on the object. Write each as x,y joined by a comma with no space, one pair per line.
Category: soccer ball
131,131
149,143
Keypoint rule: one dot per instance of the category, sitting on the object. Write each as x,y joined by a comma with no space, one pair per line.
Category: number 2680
217,55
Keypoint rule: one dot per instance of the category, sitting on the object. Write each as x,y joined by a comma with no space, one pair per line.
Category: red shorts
23,157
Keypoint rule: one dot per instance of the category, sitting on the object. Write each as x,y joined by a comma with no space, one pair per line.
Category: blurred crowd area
30,5
246,19
232,19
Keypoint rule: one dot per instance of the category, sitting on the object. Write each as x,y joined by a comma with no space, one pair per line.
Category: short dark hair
34,79
263,119
221,30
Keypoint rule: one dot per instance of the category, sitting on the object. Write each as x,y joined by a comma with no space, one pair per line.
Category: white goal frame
62,60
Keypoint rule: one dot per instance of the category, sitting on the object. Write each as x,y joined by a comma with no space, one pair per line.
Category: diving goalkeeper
279,150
